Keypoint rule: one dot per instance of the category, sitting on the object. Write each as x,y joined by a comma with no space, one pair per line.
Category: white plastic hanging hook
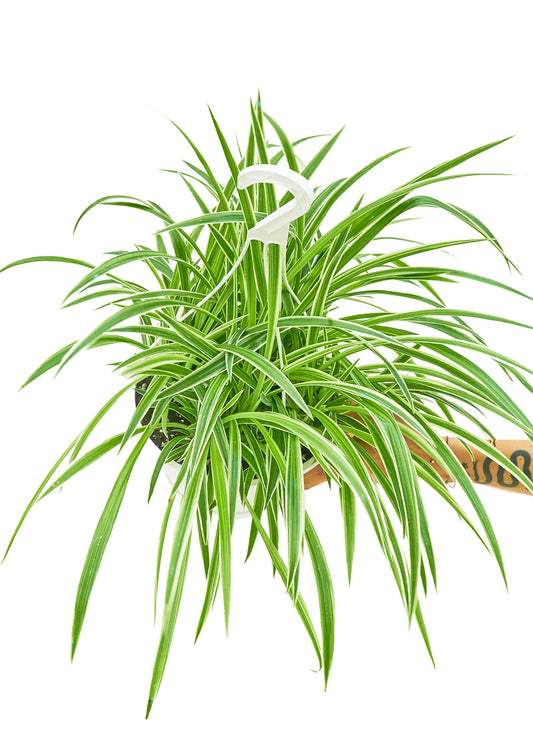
275,227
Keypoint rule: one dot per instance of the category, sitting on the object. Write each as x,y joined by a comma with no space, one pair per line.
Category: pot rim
307,466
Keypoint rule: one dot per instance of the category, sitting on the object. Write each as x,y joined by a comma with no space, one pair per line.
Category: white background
81,89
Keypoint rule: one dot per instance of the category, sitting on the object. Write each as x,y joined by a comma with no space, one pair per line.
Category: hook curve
275,227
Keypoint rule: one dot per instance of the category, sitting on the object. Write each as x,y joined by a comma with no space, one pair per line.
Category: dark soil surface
158,436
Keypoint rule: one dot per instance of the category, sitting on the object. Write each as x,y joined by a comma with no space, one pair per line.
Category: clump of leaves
244,361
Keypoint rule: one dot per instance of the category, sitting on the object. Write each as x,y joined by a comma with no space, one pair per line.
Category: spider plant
245,367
